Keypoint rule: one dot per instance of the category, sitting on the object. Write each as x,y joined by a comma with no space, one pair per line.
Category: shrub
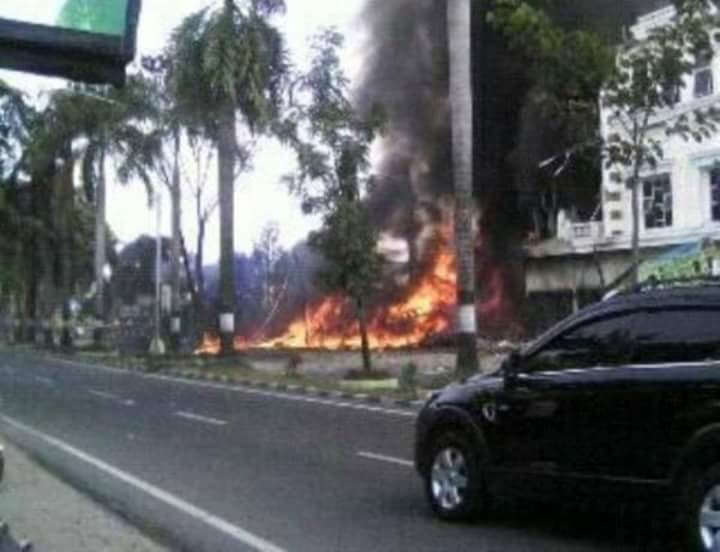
292,367
408,379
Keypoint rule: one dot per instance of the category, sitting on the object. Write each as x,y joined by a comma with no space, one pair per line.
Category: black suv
622,399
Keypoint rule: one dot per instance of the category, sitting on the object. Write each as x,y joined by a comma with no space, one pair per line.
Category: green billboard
108,17
90,40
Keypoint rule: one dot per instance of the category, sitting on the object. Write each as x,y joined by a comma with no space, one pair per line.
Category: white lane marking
111,397
45,381
198,418
237,388
384,458
238,533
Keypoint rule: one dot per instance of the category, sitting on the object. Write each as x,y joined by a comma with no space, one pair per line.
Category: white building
680,201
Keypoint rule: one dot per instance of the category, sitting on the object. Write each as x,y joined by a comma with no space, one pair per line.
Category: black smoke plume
406,70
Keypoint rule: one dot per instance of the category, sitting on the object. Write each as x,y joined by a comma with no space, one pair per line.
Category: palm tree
169,132
229,67
110,123
461,102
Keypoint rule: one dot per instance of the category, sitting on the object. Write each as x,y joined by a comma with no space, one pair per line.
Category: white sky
260,196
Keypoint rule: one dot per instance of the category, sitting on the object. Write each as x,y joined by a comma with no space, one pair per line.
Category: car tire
702,512
454,481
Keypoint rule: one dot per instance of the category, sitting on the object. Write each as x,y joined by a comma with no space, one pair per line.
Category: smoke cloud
406,70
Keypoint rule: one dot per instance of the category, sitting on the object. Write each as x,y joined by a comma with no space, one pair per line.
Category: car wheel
703,518
454,482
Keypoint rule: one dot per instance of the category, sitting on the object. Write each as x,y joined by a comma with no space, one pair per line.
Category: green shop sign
86,40
684,262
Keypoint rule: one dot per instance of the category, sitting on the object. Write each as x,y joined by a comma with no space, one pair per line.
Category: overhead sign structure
84,40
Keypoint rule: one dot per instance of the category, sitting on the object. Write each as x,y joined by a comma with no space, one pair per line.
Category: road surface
212,467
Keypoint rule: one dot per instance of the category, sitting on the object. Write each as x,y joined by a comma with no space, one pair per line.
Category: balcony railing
582,233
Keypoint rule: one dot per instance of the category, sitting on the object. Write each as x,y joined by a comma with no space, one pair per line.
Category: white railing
586,231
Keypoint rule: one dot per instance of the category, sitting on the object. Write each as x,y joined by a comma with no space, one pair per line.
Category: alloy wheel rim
449,478
710,520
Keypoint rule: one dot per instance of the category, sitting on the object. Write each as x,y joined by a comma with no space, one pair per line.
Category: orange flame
426,310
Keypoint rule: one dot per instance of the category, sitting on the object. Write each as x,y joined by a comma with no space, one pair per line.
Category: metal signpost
83,40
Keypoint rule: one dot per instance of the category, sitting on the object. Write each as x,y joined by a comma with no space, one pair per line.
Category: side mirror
511,367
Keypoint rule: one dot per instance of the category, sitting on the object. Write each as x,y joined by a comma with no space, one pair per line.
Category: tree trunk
199,260
66,207
31,305
362,322
461,101
636,226
189,276
100,247
176,247
197,323
227,149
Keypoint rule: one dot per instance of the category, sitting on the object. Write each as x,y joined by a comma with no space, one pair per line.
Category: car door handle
541,409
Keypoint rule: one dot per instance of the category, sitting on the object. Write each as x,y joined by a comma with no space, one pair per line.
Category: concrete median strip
235,532
363,402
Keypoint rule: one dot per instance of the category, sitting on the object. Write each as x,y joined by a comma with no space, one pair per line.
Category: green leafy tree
229,69
581,72
348,243
332,141
112,127
567,68
166,165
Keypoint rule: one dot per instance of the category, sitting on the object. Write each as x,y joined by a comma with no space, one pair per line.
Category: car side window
678,335
607,341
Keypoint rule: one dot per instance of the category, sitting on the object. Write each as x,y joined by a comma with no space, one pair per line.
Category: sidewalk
56,518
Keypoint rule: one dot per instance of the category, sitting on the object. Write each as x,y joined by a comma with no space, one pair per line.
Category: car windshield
243,241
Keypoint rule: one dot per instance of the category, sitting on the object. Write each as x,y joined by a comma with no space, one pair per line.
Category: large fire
425,310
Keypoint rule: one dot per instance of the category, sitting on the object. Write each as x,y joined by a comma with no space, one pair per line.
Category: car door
676,382
548,414
632,412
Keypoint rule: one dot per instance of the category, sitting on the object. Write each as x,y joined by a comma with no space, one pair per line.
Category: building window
704,82
704,78
657,201
715,194
671,94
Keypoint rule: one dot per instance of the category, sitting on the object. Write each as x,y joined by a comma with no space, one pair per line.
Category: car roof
689,296
671,296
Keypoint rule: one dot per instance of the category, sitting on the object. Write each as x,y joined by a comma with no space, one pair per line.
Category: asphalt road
210,467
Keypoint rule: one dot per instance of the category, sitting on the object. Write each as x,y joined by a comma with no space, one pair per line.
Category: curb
290,389
293,389
280,387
